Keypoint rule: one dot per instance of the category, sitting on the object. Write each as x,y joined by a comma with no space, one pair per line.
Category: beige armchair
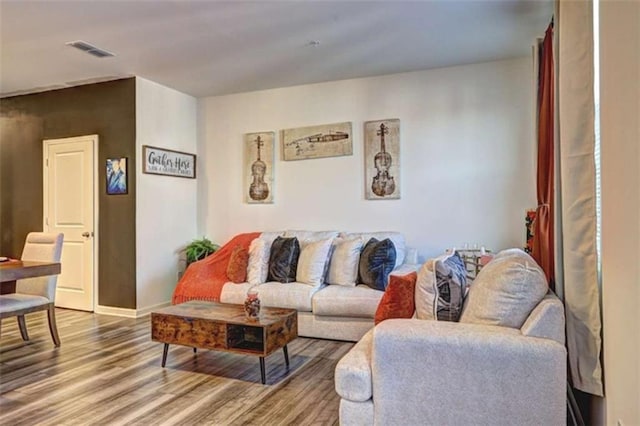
35,294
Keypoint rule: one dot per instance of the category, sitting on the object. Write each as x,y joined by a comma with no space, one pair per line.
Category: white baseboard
129,313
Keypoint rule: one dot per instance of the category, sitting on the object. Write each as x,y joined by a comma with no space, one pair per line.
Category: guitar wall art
258,167
382,159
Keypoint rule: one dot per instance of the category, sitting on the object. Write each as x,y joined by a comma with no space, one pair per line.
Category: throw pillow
377,260
237,267
505,291
258,268
283,260
440,288
398,298
396,238
313,262
343,268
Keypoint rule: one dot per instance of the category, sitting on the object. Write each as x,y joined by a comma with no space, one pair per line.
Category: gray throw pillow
505,291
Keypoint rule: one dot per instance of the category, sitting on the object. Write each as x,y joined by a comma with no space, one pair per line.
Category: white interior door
69,207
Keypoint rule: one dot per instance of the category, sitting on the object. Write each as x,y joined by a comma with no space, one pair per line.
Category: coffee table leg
263,375
286,355
164,354
195,350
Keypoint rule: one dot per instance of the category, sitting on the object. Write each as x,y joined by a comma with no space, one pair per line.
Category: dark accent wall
106,109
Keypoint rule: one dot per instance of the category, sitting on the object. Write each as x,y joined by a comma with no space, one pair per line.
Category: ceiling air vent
90,49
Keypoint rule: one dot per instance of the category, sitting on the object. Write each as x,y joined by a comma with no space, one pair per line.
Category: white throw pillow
313,261
396,238
505,291
306,237
258,266
343,269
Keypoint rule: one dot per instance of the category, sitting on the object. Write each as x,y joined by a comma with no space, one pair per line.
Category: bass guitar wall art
382,156
259,167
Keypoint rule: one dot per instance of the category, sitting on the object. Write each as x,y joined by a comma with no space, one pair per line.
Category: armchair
410,371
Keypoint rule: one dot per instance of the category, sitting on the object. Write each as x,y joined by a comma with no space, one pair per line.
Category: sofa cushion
353,372
398,300
313,262
343,268
377,260
505,291
283,260
272,294
305,237
238,263
396,237
258,266
360,301
440,288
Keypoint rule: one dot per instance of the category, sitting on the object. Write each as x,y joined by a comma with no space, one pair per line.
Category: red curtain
543,240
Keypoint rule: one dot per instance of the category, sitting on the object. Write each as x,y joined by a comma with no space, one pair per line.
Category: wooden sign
160,161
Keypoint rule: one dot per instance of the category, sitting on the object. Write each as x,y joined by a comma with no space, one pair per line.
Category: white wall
620,142
467,157
166,207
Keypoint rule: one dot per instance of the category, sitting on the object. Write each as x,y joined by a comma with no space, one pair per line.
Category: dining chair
35,294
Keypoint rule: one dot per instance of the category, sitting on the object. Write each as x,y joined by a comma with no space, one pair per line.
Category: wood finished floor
107,372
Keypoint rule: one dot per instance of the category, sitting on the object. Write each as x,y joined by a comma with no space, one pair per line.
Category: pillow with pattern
237,267
440,288
283,260
398,300
377,260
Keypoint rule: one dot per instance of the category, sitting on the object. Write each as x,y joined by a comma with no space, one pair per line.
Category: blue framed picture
116,176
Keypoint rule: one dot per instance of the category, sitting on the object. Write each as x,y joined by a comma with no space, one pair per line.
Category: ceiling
210,47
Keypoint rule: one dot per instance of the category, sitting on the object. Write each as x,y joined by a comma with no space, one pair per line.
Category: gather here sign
160,161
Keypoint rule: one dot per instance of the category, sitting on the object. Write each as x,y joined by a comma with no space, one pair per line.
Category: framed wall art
117,176
382,159
161,161
327,140
258,167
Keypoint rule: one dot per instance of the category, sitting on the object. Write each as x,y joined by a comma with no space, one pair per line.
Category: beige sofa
412,371
326,311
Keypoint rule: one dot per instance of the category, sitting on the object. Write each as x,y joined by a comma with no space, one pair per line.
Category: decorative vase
252,304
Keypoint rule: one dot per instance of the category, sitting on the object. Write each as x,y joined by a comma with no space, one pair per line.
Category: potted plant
199,249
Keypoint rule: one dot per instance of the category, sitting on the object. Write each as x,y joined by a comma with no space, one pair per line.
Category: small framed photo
116,176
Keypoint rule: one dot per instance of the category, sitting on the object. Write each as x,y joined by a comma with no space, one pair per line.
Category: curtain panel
578,193
544,234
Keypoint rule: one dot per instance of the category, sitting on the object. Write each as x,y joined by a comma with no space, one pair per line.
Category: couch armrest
546,320
353,372
434,372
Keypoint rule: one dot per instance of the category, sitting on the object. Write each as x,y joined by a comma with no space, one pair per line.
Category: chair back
41,247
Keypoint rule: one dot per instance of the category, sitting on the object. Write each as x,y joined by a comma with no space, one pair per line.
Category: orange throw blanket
205,278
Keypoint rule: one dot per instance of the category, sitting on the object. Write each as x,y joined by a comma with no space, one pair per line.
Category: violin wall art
258,167
328,140
382,159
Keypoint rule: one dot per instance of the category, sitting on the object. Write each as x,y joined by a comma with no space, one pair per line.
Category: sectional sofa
334,307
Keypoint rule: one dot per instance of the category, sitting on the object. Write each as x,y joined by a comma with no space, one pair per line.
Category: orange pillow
237,267
398,300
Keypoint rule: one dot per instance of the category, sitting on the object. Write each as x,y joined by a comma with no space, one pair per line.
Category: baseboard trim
128,313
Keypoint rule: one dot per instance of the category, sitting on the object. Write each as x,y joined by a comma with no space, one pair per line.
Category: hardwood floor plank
107,372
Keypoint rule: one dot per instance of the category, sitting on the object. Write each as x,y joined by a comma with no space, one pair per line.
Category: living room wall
467,157
106,109
165,205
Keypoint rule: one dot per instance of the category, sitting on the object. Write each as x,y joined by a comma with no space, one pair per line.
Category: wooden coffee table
224,327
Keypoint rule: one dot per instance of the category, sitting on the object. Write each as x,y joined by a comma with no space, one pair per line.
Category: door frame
45,196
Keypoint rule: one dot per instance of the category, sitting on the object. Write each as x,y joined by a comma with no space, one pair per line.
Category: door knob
86,234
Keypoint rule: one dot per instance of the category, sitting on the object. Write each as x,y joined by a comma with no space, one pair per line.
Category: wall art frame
168,162
326,140
116,173
382,159
258,167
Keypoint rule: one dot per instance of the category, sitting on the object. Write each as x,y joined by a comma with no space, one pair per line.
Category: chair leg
23,328
51,315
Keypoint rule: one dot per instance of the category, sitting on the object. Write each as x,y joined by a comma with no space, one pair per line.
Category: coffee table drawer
188,331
